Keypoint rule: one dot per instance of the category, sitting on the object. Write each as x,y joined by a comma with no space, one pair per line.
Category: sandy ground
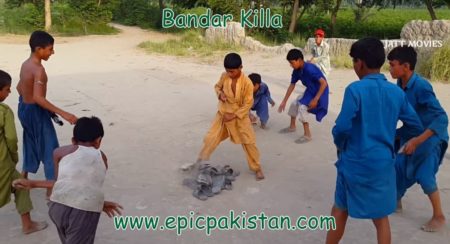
156,110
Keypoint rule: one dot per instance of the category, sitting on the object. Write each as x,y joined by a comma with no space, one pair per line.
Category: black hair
256,78
232,61
294,54
5,79
40,39
88,129
404,54
370,50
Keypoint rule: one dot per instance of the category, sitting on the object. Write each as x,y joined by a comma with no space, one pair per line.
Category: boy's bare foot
303,139
263,126
434,224
259,175
287,130
399,207
189,166
34,227
253,118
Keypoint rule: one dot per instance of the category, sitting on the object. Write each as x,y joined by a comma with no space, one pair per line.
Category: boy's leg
252,154
262,110
403,183
438,220
383,230
303,114
216,134
426,176
293,112
24,206
340,216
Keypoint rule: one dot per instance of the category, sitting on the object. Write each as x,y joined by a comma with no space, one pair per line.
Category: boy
261,96
39,135
77,199
315,98
364,136
422,166
235,93
321,53
8,161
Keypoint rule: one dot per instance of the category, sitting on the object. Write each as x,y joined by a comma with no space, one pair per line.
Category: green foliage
22,20
384,23
191,43
440,64
69,17
138,12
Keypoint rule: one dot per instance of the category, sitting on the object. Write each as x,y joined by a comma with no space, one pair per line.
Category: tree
429,4
334,13
294,16
48,16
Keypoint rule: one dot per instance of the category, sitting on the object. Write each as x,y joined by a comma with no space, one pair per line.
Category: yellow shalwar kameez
240,129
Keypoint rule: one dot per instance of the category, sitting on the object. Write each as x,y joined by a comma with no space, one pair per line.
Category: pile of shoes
211,180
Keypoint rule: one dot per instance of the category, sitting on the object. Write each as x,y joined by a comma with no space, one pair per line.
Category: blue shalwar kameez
422,166
364,136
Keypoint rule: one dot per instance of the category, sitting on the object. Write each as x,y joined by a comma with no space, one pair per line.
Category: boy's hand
23,184
72,119
227,117
273,104
312,104
411,145
282,106
222,96
112,209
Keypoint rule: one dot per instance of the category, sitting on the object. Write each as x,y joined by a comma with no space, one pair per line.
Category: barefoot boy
39,136
364,136
261,98
77,199
8,161
315,98
235,93
422,166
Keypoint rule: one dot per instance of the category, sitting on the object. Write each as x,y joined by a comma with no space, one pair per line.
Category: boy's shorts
74,225
370,195
39,138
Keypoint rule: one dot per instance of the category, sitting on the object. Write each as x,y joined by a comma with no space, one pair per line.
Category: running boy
315,98
8,161
77,199
422,166
261,98
39,135
364,136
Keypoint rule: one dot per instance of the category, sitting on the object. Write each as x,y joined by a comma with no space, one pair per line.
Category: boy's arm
243,110
105,159
315,100
11,135
268,96
286,97
439,123
218,87
342,129
30,184
39,91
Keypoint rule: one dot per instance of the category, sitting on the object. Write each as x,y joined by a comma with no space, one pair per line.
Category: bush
138,12
440,64
23,19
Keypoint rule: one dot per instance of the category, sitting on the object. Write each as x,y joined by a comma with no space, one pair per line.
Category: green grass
440,64
384,24
190,43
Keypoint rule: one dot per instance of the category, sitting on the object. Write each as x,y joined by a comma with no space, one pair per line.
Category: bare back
32,74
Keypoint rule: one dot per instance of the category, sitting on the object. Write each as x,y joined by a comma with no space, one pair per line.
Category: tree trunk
99,3
430,9
293,24
334,17
48,16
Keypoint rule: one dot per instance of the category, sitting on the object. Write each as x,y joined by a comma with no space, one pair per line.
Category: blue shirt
310,75
263,91
421,96
365,128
